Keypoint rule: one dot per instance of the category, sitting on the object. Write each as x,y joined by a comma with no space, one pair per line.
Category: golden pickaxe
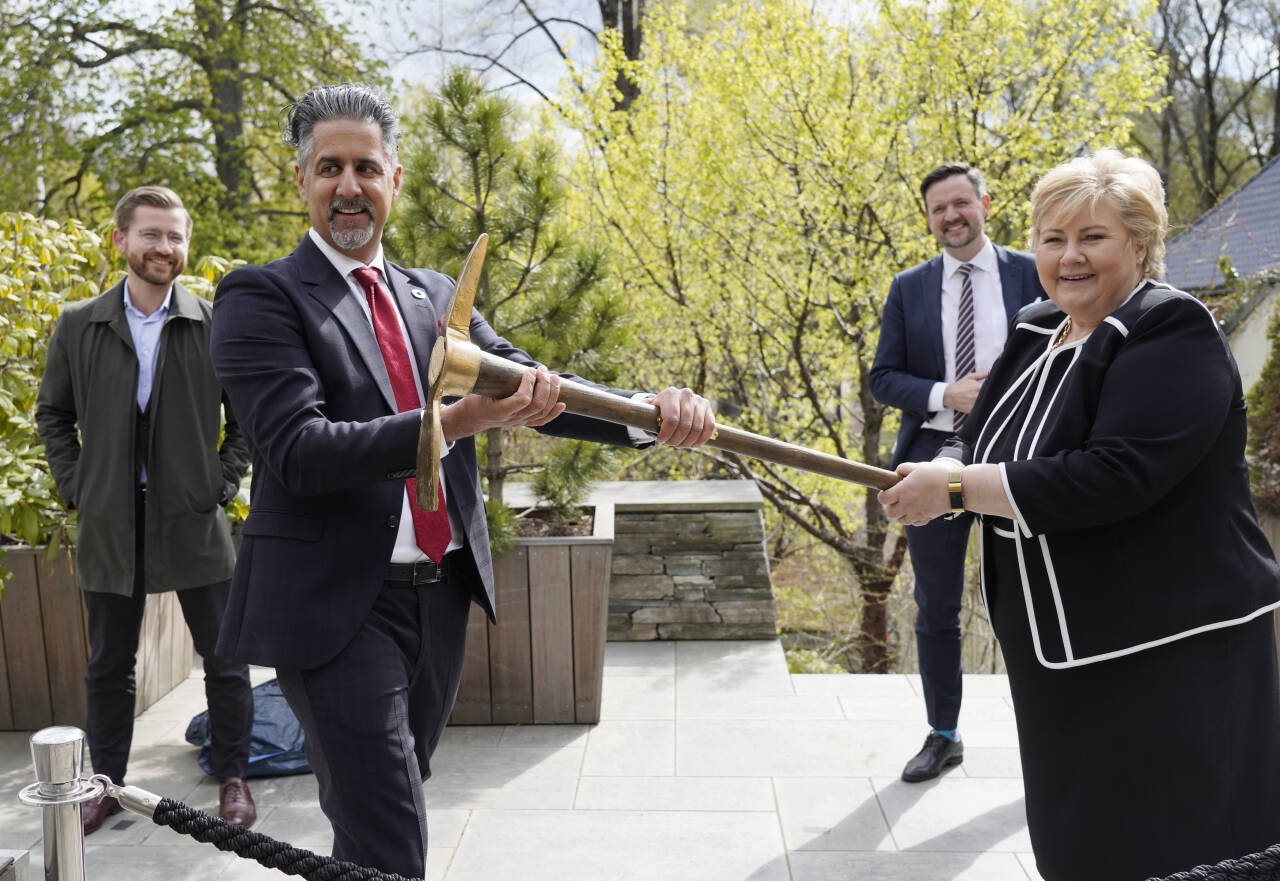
459,367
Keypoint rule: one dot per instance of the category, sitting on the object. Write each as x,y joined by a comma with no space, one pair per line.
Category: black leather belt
422,572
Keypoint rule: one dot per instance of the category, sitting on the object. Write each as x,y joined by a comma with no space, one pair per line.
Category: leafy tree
761,193
1217,125
468,172
101,97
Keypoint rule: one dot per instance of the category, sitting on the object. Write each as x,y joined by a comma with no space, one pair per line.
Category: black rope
1263,866
256,846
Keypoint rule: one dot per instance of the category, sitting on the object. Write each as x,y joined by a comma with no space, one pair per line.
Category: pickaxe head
454,365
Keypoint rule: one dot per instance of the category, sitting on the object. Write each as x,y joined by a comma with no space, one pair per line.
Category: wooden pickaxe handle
459,367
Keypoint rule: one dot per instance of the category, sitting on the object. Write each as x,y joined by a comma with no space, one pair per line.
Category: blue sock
953,735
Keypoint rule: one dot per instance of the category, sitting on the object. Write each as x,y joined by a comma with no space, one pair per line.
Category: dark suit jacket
1135,524
909,357
301,364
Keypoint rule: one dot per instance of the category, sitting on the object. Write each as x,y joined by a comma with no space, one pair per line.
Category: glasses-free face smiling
956,214
349,185
1088,263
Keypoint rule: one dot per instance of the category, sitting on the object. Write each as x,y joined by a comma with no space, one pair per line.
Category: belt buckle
431,573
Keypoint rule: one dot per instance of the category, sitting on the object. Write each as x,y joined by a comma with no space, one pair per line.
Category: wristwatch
955,488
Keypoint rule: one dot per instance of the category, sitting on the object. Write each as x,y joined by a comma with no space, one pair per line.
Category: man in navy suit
357,597
944,323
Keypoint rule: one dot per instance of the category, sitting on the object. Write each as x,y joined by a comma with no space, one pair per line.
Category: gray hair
342,101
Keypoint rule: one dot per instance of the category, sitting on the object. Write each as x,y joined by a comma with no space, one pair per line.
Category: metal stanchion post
58,754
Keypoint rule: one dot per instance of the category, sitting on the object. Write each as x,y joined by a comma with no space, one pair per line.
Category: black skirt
1147,764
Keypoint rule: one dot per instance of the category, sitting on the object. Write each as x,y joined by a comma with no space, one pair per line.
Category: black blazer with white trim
1134,522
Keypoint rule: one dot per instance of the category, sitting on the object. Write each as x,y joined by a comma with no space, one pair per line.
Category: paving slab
639,696
711,763
639,658
629,749
719,669
790,748
675,794
817,866
955,814
620,846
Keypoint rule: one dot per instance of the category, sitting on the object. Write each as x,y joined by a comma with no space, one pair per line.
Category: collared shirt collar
984,260
344,264
129,307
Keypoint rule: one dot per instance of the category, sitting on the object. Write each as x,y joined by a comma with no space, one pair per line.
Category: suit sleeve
56,416
263,356
1160,408
891,382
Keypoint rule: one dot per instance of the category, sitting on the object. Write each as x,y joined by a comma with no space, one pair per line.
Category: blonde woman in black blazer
1122,563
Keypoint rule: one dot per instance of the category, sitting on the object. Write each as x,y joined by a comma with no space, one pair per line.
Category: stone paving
711,763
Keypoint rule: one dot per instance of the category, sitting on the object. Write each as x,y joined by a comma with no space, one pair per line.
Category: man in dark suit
353,593
944,323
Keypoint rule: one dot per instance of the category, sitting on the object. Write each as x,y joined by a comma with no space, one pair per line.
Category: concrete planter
44,644
543,662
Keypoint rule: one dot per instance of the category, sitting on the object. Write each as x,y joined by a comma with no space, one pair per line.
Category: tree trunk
1275,109
226,96
625,17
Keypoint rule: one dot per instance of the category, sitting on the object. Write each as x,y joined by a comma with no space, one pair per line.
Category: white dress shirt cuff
639,435
935,396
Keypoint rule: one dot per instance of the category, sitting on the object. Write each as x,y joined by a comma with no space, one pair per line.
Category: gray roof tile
1244,226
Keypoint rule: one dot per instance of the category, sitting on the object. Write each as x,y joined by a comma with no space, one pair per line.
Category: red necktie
431,528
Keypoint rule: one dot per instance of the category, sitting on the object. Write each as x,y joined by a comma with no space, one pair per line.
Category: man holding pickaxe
354,591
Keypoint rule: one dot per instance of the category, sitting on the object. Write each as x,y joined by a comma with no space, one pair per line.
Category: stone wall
688,559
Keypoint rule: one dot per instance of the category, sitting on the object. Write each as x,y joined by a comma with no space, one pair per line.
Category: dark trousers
937,557
115,624
373,716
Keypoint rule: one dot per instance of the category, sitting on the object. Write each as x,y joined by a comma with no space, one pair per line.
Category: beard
350,239
959,235
153,274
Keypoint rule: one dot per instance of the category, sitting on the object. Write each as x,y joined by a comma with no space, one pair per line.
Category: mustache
338,204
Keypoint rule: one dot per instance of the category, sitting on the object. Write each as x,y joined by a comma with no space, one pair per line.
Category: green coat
90,382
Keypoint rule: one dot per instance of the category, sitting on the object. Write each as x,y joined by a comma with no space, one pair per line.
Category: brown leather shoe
94,813
235,803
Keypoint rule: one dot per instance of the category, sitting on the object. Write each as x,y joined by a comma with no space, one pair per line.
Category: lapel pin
418,293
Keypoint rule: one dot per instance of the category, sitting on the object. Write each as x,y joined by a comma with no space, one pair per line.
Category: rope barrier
256,846
1264,866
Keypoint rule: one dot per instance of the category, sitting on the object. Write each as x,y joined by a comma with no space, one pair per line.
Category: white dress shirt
990,324
406,549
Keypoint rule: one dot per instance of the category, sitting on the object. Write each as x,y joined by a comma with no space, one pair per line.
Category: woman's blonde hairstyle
1130,184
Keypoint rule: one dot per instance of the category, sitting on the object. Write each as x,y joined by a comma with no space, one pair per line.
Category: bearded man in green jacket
130,414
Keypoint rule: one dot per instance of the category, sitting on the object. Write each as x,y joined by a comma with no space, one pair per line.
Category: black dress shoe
94,813
938,754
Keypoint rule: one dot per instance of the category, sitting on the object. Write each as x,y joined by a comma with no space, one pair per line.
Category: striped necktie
966,362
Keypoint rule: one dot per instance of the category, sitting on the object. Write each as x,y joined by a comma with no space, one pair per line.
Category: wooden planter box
544,660
44,644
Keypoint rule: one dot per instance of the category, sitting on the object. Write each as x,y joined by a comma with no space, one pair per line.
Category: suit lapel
325,284
931,312
420,318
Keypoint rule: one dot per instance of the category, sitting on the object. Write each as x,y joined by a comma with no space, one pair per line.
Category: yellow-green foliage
44,264
762,192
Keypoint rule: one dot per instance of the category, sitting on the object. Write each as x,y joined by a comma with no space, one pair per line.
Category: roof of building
1244,227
